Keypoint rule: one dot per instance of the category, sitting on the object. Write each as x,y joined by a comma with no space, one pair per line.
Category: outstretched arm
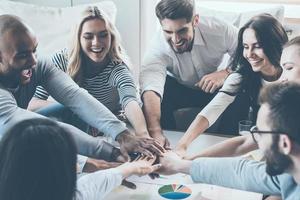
97,185
198,126
136,118
235,146
152,111
211,112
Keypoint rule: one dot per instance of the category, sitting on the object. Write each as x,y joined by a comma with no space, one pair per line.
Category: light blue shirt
244,174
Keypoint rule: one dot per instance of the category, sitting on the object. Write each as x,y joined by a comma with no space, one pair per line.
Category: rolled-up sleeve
154,66
223,99
240,174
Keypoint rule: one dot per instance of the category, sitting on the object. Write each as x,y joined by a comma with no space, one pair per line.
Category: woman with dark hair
256,62
38,161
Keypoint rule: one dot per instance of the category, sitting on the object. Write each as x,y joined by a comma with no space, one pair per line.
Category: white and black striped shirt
114,86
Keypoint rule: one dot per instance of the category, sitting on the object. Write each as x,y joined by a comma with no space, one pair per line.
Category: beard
277,163
187,46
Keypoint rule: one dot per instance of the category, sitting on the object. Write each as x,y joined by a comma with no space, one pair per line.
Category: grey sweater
244,174
13,104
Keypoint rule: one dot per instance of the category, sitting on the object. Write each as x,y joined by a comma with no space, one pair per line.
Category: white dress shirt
213,38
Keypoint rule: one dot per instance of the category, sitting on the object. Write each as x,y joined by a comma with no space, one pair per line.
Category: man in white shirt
181,67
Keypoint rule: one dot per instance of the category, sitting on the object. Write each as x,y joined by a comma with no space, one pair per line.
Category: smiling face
18,57
95,40
254,53
290,62
179,33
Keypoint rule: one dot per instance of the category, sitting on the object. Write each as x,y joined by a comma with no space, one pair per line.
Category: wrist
184,166
227,71
126,169
181,146
143,133
122,136
155,131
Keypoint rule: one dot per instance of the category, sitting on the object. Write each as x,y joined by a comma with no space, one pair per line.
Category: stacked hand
170,162
161,139
144,145
181,152
143,165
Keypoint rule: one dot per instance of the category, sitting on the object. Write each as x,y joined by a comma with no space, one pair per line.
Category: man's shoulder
288,186
43,63
213,25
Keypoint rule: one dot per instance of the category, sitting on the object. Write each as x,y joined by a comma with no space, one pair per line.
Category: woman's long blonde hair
116,53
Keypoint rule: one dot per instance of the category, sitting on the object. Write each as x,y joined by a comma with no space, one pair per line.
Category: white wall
137,22
127,22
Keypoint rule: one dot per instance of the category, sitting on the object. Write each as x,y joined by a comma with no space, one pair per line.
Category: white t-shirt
224,97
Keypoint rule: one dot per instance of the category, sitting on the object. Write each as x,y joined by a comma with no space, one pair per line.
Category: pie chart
174,191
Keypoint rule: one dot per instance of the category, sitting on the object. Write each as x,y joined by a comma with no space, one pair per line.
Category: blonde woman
96,61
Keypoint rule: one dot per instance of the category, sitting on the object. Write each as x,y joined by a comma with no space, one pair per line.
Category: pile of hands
146,156
140,156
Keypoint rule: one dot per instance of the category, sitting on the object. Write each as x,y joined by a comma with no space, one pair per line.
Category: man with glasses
180,68
278,136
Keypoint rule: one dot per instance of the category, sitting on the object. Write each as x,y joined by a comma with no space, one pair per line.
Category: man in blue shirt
278,136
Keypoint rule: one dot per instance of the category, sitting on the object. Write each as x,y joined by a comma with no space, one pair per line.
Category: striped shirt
114,86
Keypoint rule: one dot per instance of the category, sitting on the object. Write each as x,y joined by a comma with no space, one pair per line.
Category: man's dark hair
283,101
175,9
37,161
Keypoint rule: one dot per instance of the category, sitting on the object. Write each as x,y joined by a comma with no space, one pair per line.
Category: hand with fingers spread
143,165
146,146
213,81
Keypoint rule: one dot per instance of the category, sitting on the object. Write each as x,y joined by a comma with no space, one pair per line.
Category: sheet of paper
163,180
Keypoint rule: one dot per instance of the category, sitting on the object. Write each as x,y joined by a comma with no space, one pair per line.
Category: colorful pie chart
174,191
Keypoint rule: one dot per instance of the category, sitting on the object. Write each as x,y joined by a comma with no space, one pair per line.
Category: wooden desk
150,191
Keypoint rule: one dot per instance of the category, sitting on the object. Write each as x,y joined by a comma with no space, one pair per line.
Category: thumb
156,167
167,145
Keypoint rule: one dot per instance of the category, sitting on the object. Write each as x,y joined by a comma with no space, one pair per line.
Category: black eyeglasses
257,133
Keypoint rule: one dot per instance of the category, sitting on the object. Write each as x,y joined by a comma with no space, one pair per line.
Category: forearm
152,111
93,165
240,174
198,126
37,103
231,147
136,118
67,92
89,146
